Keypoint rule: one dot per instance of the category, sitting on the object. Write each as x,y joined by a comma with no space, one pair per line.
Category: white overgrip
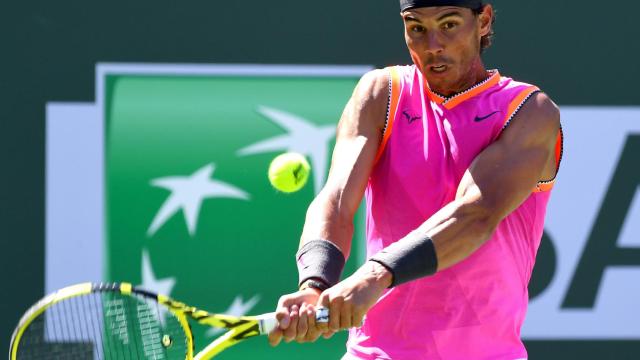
267,322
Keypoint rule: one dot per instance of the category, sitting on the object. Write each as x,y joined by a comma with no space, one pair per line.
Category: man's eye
449,25
417,29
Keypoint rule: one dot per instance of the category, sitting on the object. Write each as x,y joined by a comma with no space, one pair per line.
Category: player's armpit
359,133
498,181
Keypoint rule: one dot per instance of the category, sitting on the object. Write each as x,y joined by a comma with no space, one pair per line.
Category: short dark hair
486,40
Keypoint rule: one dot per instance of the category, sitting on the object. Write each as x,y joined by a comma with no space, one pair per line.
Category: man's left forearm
448,237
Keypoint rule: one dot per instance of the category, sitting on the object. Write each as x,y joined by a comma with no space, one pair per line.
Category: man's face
444,43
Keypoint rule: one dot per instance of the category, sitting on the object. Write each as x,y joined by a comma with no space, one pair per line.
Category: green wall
581,53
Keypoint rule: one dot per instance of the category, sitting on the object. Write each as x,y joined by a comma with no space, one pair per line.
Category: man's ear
485,19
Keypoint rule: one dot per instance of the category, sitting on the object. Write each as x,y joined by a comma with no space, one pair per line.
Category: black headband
411,4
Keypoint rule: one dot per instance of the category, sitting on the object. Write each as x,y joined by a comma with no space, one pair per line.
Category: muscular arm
359,133
330,215
497,182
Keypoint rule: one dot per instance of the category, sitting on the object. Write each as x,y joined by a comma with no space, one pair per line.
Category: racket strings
104,326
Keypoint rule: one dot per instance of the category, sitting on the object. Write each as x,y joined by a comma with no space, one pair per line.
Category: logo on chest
483,118
410,118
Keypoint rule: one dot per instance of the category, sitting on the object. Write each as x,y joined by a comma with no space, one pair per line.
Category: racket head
105,321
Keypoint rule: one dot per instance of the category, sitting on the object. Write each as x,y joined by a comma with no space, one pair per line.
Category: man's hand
296,317
349,300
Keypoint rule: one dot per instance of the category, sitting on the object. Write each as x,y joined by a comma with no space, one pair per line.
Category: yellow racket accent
240,328
125,288
41,306
229,339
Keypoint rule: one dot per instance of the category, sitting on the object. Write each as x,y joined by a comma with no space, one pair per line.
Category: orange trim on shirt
433,96
548,185
514,106
450,103
516,103
559,149
495,78
394,99
545,186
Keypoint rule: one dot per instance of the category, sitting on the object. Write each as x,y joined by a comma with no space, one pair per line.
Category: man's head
445,39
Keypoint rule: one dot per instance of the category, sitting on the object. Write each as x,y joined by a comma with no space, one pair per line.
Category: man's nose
433,43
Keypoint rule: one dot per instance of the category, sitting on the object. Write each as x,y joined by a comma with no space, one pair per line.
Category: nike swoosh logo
478,118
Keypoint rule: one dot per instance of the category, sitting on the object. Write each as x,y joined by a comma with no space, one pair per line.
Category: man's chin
440,82
438,86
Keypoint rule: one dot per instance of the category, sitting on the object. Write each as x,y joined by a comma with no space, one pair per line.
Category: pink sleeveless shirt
473,310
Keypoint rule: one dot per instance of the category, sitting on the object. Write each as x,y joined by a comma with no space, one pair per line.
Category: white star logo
238,308
187,193
157,286
302,136
149,280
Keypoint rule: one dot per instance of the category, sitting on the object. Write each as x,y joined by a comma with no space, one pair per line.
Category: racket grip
267,322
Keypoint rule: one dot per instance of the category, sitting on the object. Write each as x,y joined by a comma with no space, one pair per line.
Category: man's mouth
438,68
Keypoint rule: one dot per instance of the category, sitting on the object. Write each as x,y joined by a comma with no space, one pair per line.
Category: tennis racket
119,321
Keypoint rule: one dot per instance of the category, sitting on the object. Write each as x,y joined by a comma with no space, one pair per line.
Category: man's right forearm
327,219
358,136
325,237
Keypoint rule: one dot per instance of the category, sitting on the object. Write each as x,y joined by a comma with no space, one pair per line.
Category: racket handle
267,322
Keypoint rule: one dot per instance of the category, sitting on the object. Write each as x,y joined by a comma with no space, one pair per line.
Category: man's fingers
283,310
323,302
346,320
282,315
288,314
335,310
313,333
302,323
357,318
275,336
290,332
328,334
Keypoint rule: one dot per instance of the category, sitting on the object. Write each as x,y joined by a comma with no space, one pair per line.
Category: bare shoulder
536,122
369,101
373,86
543,109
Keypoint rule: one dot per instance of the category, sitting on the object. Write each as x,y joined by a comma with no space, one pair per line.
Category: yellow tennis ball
289,172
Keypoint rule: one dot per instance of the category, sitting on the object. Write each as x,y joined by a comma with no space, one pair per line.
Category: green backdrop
239,248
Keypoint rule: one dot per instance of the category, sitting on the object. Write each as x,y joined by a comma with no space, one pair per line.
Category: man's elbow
482,217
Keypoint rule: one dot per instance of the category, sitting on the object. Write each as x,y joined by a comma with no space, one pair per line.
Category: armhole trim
392,108
515,106
547,185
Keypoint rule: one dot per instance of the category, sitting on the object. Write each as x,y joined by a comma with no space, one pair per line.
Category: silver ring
322,315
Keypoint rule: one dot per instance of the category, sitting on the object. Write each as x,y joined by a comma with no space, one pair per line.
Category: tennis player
457,163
